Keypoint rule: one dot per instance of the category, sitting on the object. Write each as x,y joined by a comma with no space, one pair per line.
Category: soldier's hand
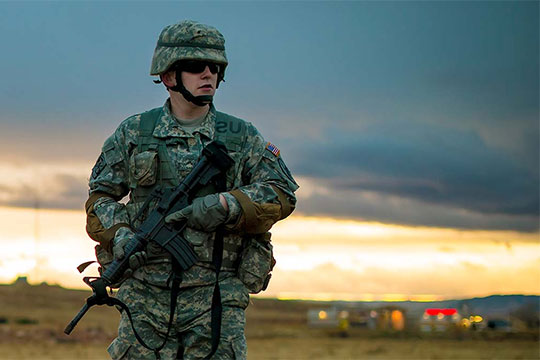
205,213
122,237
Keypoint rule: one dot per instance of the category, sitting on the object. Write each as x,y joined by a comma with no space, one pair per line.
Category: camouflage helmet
188,40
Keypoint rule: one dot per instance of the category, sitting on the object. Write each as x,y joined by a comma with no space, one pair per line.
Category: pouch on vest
143,168
256,263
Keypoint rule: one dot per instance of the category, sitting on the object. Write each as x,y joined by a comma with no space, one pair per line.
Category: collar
167,126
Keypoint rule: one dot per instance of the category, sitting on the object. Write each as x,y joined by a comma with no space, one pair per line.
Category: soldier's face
202,83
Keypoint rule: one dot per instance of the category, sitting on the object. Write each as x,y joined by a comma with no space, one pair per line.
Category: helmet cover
188,40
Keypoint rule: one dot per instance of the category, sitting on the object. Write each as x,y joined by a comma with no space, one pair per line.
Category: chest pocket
143,168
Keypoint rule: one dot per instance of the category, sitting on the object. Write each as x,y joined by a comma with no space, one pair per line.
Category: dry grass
306,348
275,330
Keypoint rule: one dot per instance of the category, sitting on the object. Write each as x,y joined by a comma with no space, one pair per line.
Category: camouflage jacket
260,191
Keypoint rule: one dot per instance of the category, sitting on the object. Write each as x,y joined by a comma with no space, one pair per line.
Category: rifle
214,161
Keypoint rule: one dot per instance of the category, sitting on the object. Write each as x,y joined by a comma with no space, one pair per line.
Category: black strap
175,288
217,258
217,308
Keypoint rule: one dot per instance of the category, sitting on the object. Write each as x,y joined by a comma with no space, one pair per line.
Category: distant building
439,320
328,318
387,318
384,318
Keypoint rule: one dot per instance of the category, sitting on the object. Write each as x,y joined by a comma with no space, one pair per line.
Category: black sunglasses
197,67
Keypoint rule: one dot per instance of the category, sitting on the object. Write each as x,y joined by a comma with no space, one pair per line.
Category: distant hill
494,306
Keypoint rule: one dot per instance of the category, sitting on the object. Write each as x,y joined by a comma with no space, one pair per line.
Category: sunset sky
411,127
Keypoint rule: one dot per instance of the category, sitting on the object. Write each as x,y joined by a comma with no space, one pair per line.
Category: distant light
440,316
475,318
323,315
398,321
373,314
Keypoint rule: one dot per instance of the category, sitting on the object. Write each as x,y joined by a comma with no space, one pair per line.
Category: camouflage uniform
260,191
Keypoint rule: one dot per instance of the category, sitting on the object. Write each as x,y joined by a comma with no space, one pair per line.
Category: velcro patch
99,166
272,148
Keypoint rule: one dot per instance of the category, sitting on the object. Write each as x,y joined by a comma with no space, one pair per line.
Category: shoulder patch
99,166
272,148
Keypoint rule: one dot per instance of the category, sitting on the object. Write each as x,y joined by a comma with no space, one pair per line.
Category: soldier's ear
169,78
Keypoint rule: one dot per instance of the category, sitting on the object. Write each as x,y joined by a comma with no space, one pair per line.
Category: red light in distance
446,312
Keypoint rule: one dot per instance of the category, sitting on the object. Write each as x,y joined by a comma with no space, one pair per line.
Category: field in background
32,319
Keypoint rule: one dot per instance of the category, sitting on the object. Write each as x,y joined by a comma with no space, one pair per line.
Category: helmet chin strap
201,100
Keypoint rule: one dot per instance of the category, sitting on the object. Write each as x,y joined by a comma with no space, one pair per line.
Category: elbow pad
259,218
94,226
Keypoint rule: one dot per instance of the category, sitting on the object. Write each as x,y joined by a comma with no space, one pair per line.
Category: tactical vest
229,130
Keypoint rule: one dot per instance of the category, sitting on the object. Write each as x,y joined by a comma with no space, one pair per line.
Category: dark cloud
421,175
65,192
53,139
380,207
74,191
428,165
445,118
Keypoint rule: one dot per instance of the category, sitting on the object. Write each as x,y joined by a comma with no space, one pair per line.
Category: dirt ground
32,320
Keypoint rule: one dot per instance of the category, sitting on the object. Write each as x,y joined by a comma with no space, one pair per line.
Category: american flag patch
272,148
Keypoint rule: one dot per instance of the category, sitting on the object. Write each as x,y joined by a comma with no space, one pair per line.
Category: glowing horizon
317,258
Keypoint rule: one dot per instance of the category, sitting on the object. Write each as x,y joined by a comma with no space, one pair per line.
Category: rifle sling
217,258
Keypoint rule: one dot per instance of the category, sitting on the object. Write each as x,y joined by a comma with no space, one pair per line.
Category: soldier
159,148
